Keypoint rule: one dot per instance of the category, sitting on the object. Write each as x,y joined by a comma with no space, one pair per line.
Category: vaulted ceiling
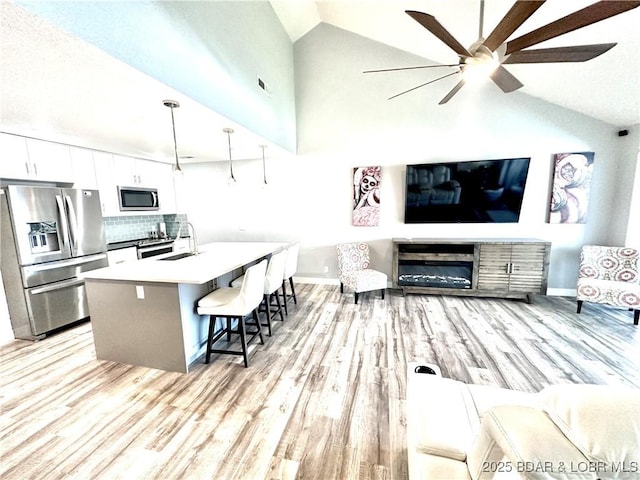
83,90
606,88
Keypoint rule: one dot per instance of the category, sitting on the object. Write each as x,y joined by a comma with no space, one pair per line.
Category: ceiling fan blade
430,23
581,18
453,91
504,80
409,68
427,83
578,53
520,11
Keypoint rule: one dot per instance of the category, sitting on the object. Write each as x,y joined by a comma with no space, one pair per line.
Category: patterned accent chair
610,275
354,271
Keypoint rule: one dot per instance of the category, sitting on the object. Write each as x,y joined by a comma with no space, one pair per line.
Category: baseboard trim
552,292
561,292
317,280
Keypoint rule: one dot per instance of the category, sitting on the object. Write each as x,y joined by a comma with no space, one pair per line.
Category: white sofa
461,431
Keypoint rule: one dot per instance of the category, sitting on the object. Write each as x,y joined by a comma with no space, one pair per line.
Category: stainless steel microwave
138,198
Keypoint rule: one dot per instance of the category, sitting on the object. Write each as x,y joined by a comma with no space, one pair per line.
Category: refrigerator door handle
57,286
64,226
72,221
65,263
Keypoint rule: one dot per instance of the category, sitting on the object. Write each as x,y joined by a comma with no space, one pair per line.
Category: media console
506,268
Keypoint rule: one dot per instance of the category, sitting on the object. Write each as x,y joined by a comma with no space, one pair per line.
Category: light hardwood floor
322,399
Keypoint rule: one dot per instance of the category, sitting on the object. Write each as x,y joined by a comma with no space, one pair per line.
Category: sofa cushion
603,421
486,397
517,439
433,467
442,415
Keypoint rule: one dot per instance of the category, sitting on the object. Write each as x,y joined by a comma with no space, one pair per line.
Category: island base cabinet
152,325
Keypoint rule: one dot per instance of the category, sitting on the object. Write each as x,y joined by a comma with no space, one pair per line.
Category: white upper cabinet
15,158
105,178
136,172
31,159
125,173
49,161
24,158
84,172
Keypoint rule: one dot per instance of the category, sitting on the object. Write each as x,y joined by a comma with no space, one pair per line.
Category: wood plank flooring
322,399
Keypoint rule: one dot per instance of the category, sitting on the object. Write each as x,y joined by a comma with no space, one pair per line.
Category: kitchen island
144,313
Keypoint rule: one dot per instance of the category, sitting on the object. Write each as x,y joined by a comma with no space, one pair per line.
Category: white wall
628,191
633,230
344,120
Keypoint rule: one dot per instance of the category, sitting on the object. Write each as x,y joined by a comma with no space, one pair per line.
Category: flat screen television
479,191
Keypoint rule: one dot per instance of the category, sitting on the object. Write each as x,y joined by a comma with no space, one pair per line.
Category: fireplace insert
440,274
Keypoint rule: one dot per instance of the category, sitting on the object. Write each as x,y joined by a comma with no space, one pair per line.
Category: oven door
138,199
152,251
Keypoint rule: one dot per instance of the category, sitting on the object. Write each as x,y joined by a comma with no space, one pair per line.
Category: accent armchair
354,271
610,275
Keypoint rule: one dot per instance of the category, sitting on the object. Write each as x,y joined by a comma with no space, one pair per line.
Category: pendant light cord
264,165
175,142
174,104
229,131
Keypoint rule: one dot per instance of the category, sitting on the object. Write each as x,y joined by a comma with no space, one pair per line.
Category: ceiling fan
487,56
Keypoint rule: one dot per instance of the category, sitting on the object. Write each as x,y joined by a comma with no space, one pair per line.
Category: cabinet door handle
35,169
26,165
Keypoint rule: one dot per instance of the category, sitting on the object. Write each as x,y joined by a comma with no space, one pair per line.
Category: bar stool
291,266
235,304
272,282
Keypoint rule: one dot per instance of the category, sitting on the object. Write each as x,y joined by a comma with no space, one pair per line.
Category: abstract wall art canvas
571,187
366,196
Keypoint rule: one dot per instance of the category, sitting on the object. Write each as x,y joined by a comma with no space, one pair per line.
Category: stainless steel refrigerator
48,237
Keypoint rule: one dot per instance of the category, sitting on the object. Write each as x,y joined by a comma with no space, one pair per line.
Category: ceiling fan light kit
486,57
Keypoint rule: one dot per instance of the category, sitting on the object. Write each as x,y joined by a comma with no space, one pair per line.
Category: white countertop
214,260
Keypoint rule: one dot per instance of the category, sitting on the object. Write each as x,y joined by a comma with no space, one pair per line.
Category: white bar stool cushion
236,301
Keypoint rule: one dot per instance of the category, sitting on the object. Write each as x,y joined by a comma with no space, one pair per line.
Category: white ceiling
58,87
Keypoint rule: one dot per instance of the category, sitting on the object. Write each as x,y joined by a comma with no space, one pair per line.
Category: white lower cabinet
122,255
182,245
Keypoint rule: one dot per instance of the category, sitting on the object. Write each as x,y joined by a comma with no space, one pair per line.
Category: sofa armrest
524,440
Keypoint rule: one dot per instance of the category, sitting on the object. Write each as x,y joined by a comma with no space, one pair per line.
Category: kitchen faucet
194,249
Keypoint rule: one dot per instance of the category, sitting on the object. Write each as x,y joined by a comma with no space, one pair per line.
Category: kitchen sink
178,256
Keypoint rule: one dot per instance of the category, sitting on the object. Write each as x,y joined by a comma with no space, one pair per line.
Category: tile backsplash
120,229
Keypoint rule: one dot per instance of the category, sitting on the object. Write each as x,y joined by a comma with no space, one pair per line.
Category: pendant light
177,171
264,166
232,179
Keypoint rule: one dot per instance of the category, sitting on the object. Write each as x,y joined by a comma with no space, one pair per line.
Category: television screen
481,191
